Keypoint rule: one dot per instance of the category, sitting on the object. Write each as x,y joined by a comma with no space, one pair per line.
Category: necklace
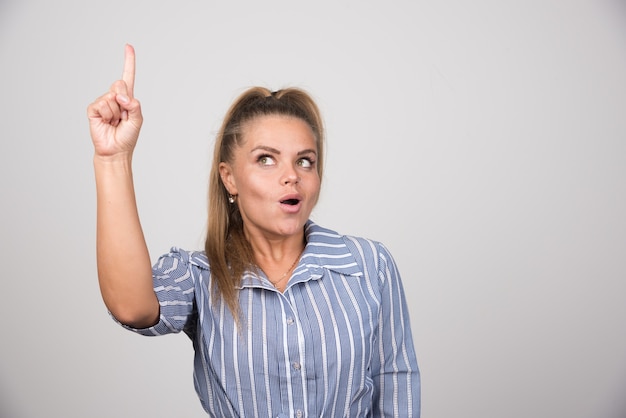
289,270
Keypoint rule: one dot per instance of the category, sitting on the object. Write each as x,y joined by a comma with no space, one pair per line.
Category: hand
115,118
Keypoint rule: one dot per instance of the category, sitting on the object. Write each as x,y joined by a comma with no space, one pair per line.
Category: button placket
294,359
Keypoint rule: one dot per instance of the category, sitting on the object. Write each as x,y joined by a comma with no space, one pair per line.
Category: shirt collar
328,250
325,250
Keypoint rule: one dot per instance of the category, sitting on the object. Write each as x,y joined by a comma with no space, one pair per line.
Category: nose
290,177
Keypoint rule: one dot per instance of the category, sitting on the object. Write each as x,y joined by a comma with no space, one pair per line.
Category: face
274,176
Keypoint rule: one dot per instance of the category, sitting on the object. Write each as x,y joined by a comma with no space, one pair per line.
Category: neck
281,282
279,263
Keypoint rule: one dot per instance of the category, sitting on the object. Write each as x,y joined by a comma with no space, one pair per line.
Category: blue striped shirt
336,343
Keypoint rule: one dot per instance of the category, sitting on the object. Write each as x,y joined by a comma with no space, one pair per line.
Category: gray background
484,142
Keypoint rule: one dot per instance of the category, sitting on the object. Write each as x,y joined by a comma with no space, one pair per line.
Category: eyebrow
275,151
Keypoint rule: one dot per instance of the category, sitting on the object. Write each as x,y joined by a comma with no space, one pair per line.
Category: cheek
252,185
314,188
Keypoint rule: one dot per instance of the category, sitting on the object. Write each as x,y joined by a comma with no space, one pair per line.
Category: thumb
131,108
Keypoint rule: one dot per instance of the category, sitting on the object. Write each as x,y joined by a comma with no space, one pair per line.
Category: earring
231,198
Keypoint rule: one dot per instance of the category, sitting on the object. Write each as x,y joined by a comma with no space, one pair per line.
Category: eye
266,160
306,162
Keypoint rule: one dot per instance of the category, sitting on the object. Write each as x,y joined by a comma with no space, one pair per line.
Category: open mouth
291,202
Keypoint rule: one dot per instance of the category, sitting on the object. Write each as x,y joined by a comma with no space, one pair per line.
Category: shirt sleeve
394,368
173,279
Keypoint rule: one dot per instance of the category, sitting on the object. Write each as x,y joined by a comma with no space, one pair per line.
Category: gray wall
484,142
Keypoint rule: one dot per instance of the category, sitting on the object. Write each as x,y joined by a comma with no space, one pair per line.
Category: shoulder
178,258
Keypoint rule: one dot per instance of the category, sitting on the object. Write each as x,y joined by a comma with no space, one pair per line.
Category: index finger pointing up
129,69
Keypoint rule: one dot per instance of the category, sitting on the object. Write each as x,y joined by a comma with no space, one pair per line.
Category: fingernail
122,98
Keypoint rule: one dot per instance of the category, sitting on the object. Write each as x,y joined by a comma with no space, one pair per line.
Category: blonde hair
226,246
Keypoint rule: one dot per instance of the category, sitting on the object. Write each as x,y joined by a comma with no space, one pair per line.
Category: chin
292,227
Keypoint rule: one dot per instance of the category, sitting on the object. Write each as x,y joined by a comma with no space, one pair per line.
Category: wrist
122,158
113,166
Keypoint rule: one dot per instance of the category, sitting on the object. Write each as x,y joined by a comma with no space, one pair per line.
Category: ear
226,174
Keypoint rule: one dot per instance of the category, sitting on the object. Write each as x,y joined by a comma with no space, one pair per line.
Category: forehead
276,130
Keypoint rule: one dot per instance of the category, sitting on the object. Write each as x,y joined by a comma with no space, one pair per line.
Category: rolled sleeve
173,280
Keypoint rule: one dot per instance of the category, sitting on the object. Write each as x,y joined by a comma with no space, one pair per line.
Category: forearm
124,266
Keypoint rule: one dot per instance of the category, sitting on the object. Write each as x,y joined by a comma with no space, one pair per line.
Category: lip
290,208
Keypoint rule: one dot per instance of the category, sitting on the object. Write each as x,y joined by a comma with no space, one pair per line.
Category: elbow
135,317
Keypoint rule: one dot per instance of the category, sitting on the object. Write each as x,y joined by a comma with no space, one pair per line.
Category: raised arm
124,266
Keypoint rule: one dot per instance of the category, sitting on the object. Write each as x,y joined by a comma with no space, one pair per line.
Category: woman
287,318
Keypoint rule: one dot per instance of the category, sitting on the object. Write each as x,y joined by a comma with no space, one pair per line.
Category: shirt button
298,414
289,321
296,365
